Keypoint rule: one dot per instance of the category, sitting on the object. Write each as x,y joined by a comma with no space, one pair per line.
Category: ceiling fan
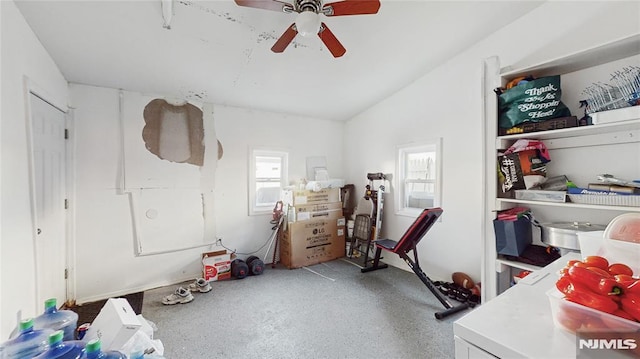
308,21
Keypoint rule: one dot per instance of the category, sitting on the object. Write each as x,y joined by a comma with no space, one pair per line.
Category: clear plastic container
574,317
93,350
52,318
59,349
27,344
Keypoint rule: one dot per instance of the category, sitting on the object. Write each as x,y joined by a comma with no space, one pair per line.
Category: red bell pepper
620,268
625,280
563,283
579,293
593,300
597,261
631,305
634,288
594,281
600,271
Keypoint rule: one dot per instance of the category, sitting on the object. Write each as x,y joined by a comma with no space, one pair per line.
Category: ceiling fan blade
351,7
285,39
273,5
330,41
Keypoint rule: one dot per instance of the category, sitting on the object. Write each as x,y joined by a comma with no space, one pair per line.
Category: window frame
254,153
401,165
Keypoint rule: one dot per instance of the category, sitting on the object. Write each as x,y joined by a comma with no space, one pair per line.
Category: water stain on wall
174,132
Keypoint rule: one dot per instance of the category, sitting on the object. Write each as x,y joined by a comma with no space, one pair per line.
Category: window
267,176
419,177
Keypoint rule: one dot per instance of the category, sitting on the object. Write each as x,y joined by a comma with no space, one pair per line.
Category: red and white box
216,265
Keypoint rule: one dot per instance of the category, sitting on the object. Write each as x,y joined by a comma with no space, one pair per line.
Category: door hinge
66,134
66,273
66,203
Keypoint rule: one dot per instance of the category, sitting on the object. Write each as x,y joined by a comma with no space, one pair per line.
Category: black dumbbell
256,266
239,269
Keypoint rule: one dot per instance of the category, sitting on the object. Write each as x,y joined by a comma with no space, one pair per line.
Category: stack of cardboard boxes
315,229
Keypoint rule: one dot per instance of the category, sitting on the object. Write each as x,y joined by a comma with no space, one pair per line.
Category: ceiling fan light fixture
308,23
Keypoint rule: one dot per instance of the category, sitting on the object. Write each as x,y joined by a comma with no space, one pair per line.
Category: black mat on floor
87,312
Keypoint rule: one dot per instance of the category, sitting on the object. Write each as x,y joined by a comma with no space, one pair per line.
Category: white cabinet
580,153
517,324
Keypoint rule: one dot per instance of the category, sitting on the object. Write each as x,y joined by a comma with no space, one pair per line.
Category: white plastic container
590,243
622,241
618,243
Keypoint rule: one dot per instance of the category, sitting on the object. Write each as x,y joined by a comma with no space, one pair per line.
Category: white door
49,159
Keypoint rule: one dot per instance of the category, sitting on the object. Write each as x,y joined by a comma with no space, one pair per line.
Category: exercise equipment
368,220
408,243
256,266
278,222
239,269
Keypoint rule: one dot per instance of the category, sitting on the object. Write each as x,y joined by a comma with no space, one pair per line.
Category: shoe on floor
181,296
200,285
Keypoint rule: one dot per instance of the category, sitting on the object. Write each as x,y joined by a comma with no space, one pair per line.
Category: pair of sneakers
183,295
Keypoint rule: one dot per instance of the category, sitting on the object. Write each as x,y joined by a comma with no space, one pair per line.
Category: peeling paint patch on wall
174,133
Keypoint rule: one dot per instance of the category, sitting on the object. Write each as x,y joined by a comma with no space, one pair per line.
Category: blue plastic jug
27,344
58,349
52,318
93,350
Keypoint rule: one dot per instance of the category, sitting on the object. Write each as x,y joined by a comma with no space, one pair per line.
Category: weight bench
408,243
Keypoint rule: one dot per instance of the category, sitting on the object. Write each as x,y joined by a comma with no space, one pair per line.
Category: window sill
413,212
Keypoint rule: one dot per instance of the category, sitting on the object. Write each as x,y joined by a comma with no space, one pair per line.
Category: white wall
105,258
238,130
22,55
447,103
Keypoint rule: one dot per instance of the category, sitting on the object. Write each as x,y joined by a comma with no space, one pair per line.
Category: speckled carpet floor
328,310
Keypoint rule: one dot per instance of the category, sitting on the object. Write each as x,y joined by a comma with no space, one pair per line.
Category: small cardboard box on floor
312,241
216,265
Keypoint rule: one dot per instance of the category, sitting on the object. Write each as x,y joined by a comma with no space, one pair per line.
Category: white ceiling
219,52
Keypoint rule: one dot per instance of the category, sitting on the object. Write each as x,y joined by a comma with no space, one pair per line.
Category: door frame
31,87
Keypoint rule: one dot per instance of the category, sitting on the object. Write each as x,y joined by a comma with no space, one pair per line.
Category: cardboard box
115,324
319,207
298,197
216,265
332,214
311,242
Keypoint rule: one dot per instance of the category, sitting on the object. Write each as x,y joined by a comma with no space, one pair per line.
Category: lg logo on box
607,344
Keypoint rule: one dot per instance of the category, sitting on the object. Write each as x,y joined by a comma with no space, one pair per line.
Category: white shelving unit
579,152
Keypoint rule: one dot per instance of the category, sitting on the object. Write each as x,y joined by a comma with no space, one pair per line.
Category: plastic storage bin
27,344
52,318
574,317
59,349
93,350
542,196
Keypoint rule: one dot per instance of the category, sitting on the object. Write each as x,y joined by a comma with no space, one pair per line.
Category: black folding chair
408,243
